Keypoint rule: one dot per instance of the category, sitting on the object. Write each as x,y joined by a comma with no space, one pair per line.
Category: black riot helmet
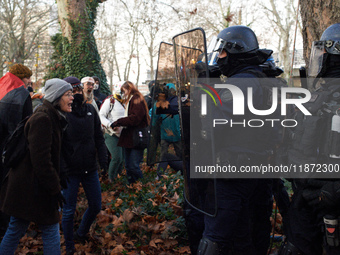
325,54
237,40
242,49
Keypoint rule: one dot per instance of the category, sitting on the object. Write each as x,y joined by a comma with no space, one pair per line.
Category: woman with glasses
83,144
32,190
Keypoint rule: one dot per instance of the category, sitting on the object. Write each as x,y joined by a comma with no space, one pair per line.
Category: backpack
15,146
112,103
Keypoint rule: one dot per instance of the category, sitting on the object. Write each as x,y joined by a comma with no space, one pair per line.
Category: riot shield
191,77
165,143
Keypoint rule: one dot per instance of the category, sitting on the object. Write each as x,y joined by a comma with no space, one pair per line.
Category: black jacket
14,107
83,141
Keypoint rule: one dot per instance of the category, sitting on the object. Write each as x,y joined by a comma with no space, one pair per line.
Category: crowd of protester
72,130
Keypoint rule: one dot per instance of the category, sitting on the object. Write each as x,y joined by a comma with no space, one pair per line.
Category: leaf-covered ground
143,218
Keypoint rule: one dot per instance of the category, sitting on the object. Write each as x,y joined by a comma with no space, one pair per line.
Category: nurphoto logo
238,104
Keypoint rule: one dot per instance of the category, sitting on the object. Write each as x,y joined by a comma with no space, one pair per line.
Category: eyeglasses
77,89
68,94
89,84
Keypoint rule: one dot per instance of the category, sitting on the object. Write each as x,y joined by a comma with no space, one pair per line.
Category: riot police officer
312,222
238,58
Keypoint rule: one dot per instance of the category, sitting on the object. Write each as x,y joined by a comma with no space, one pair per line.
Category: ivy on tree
79,56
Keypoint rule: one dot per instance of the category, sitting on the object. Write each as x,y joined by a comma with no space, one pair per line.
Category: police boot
207,247
287,248
194,222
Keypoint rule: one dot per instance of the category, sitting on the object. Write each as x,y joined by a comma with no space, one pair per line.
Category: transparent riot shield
165,143
191,77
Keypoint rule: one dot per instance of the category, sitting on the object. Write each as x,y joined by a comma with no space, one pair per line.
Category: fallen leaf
127,215
185,249
112,243
118,202
169,243
108,236
158,241
130,244
152,244
153,202
176,196
119,249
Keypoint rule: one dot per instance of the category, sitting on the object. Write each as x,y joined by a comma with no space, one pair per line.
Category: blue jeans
92,190
17,229
132,159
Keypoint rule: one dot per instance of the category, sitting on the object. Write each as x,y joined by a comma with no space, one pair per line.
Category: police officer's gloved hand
162,102
323,193
58,200
214,71
330,194
311,194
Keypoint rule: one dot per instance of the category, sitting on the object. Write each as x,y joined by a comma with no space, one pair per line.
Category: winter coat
83,141
110,111
28,189
15,104
136,117
170,125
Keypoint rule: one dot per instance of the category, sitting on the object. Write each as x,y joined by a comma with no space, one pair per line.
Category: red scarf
9,82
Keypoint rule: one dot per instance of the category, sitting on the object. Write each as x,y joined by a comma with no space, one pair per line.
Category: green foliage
156,206
288,186
79,57
56,68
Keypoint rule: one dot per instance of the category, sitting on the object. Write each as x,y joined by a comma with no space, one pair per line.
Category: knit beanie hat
20,71
55,88
72,80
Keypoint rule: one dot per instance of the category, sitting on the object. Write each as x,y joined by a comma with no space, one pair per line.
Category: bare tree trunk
117,65
71,10
316,16
1,69
138,63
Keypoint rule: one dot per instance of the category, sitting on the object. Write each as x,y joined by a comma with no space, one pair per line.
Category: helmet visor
215,49
316,58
